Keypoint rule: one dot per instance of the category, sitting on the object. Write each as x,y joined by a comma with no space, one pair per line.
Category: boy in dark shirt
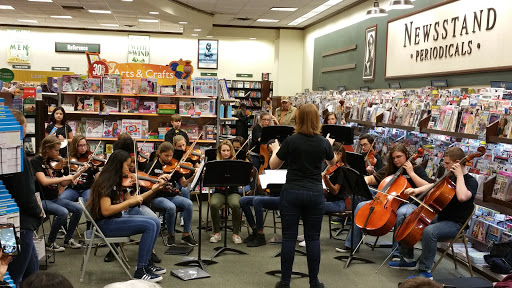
448,222
175,129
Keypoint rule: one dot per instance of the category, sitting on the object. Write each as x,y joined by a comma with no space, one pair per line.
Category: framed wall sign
369,52
207,57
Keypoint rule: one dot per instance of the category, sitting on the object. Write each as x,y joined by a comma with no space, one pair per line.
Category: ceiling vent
243,19
73,8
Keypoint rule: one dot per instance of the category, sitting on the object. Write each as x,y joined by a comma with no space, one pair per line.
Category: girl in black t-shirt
335,193
168,201
78,149
58,127
47,182
107,204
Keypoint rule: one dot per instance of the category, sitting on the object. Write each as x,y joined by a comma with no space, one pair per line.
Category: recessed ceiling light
61,17
209,36
148,20
110,25
27,21
195,34
100,11
6,7
314,12
252,38
154,12
183,23
127,0
197,30
268,20
284,9
40,0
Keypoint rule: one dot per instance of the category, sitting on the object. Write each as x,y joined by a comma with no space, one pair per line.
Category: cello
435,199
264,153
378,216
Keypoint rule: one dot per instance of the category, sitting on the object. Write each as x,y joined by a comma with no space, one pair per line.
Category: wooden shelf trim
135,114
138,95
148,140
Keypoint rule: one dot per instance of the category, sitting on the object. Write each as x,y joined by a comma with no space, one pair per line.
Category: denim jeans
128,225
403,211
169,204
258,202
27,262
431,235
256,163
334,207
72,194
61,208
143,210
309,206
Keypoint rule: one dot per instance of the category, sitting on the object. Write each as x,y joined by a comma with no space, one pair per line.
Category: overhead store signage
321,88
501,84
342,88
439,83
98,69
36,76
18,43
452,37
6,75
20,66
138,49
243,75
365,89
208,74
77,47
394,85
60,68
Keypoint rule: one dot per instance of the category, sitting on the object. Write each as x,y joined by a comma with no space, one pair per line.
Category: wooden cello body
411,230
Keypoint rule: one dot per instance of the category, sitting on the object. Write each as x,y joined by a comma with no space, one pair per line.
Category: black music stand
342,134
359,187
227,173
275,132
356,162
199,262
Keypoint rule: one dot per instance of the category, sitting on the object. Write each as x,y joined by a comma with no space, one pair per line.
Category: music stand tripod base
201,263
294,273
298,251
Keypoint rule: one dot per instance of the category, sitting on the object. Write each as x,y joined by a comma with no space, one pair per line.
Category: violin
195,154
370,159
143,156
436,198
333,168
58,164
378,216
89,157
145,180
184,168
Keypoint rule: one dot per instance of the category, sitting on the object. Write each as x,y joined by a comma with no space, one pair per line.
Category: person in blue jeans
22,188
302,195
107,202
257,237
79,148
47,182
168,199
448,222
415,175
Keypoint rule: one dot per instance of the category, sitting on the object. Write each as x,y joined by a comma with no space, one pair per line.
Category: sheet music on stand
11,143
277,176
196,177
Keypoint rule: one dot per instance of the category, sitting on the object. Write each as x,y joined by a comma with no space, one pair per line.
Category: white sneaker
237,239
61,234
72,244
182,223
55,247
300,238
215,238
302,243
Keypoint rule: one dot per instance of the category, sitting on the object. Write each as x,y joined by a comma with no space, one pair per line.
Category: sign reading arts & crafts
452,37
18,46
138,49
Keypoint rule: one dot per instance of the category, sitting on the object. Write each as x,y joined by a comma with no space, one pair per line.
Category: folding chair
97,237
460,236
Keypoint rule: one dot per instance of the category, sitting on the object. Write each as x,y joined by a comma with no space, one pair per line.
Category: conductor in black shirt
302,195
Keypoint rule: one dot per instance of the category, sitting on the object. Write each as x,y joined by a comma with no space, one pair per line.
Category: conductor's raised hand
331,141
275,146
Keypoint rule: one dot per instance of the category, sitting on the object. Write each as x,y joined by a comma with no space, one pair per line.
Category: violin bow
371,148
185,156
67,148
246,141
136,167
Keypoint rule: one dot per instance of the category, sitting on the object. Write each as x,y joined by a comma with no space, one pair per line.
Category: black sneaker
188,240
171,241
146,275
154,258
259,240
318,285
282,285
250,237
109,257
155,269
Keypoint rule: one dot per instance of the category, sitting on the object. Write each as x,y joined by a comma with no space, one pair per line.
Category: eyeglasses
365,144
265,120
82,145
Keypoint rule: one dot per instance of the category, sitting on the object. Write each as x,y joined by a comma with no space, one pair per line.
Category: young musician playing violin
415,175
366,142
108,204
448,222
79,149
167,200
175,129
225,151
47,182
330,118
335,194
58,127
264,120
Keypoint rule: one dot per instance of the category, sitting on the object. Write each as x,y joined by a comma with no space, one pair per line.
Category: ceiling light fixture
195,34
154,13
376,11
27,21
400,4
127,0
100,11
252,38
61,17
314,12
148,20
209,36
40,1
6,7
267,20
284,9
197,30
110,25
183,23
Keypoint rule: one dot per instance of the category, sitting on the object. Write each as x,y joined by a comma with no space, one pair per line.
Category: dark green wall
353,78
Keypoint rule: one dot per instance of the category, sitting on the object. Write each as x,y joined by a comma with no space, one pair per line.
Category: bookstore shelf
148,140
137,95
138,114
